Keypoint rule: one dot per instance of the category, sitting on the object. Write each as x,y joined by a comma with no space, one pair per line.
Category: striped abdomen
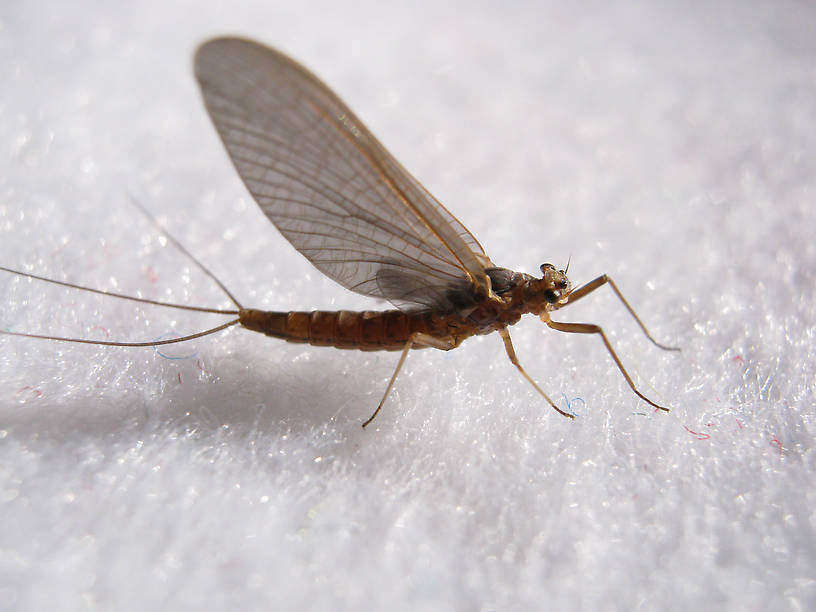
387,330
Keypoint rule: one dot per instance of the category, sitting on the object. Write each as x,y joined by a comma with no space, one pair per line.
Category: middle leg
591,328
511,353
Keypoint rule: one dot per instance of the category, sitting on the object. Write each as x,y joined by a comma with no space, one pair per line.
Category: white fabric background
668,144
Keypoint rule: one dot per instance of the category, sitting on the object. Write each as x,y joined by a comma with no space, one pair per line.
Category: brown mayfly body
360,218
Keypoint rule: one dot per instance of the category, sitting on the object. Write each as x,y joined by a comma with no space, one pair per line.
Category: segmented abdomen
366,330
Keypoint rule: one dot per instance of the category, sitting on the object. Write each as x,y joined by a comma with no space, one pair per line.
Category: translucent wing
328,185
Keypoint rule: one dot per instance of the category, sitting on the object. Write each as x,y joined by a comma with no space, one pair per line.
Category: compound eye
551,296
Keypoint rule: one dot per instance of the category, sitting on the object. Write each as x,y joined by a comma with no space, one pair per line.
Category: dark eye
562,284
550,296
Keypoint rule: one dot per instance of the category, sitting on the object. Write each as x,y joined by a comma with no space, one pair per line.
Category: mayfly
359,217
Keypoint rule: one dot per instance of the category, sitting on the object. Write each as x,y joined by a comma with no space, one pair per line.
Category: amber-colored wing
327,183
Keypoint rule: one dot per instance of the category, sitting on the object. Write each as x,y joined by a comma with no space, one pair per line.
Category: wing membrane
327,184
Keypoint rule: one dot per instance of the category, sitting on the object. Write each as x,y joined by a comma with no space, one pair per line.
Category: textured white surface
670,146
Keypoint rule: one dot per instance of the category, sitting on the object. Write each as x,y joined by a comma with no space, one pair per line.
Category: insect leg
419,339
511,353
592,285
590,328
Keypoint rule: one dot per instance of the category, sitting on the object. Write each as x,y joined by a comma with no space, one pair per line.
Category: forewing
326,183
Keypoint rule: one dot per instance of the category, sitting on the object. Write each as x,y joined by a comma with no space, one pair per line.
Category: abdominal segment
367,330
